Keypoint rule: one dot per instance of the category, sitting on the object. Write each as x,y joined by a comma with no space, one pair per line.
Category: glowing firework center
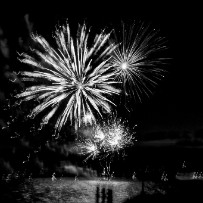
124,65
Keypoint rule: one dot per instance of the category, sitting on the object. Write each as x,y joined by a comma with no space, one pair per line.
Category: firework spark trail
75,76
136,59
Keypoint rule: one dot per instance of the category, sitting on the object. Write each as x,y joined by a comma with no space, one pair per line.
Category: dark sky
177,102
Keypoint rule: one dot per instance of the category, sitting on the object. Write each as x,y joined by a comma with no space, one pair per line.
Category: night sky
177,101
176,105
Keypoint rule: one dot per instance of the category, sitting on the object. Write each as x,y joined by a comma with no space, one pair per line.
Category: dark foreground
180,191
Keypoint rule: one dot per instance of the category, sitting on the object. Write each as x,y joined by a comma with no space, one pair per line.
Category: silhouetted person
106,196
97,195
110,196
103,195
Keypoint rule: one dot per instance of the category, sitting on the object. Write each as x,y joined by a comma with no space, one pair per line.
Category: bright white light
87,118
115,141
124,65
100,135
92,148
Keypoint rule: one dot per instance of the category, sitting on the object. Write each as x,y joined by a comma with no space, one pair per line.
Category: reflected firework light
137,60
73,81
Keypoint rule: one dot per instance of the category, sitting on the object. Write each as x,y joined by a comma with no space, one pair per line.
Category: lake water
74,191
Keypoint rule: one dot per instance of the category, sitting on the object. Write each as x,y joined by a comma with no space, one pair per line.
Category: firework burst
73,80
107,138
113,135
136,60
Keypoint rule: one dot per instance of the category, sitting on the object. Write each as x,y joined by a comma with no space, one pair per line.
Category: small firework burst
137,61
107,138
73,81
116,135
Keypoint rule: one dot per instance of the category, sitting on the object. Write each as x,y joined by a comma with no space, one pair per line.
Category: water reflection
69,190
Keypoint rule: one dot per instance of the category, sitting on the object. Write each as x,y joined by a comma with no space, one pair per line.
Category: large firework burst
137,59
73,80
